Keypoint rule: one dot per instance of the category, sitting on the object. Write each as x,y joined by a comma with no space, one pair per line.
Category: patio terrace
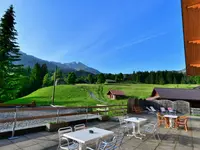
171,139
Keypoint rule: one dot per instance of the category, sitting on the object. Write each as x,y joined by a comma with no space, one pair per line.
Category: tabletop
170,116
135,119
84,135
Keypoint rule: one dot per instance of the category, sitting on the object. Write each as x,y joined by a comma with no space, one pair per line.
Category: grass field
77,95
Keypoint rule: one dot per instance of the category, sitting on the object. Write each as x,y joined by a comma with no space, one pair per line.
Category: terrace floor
171,139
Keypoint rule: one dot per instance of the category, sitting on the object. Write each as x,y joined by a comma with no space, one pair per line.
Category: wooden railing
115,108
33,104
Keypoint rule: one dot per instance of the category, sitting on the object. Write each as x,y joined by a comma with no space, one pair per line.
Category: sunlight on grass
77,95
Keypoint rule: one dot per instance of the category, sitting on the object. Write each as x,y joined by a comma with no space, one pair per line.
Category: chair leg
186,128
158,136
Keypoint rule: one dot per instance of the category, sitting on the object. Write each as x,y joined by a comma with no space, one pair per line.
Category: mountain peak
29,60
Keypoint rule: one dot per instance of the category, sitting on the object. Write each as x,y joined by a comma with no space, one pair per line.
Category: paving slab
25,143
34,147
5,142
10,147
171,139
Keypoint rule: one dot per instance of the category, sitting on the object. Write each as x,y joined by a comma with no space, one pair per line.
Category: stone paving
171,139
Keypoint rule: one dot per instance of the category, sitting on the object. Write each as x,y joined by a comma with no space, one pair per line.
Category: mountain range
29,60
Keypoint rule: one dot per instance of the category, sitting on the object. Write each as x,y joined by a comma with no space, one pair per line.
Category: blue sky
109,35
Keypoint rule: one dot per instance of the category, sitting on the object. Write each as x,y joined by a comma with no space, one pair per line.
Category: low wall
195,111
180,106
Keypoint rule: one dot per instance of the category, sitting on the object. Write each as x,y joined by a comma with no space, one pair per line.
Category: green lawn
77,95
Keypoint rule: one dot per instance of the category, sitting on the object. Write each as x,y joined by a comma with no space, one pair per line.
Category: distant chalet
116,94
190,95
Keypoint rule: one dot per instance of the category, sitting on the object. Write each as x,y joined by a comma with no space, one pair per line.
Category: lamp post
54,86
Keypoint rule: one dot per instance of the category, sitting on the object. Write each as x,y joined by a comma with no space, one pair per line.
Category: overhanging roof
191,31
178,94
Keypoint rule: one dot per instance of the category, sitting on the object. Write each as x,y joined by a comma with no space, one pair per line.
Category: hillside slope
78,95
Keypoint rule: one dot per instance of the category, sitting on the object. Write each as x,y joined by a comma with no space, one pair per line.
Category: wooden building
190,95
191,31
116,94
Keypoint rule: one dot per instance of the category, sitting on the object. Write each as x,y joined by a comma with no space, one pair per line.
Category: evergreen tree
90,78
35,77
174,80
121,76
9,53
46,80
101,78
117,78
71,78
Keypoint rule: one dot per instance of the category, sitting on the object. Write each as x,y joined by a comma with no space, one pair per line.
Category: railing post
14,125
86,115
57,118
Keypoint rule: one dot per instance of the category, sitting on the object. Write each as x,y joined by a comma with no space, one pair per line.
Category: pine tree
36,77
46,80
71,78
9,53
101,78
90,78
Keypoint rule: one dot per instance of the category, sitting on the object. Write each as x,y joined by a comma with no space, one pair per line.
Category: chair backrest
152,108
118,140
64,130
183,119
152,127
102,145
170,109
162,109
148,109
79,127
121,120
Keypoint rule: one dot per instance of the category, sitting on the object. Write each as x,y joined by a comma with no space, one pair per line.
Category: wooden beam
195,65
194,42
194,6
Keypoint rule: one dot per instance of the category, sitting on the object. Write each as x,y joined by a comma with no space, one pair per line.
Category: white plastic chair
79,127
152,128
103,145
150,111
152,108
126,126
118,139
163,110
65,143
171,110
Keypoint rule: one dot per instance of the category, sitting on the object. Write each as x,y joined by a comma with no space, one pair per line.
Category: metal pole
14,125
57,119
86,115
54,86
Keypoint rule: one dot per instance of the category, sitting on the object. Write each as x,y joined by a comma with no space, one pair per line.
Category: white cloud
141,40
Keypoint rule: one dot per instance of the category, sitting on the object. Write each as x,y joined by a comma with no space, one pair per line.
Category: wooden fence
33,104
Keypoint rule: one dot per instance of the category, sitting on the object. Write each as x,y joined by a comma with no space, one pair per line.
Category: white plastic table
84,137
170,119
137,121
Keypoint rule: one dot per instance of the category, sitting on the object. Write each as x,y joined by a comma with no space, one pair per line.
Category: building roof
191,26
116,92
177,93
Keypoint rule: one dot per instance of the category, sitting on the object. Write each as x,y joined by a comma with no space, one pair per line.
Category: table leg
82,146
139,130
134,133
170,122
